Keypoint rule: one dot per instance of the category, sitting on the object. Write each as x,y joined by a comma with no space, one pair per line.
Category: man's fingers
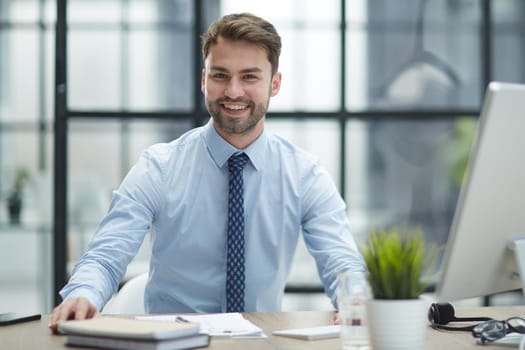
84,309
80,310
73,308
336,319
60,313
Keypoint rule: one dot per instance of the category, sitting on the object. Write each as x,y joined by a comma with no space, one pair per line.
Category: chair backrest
130,298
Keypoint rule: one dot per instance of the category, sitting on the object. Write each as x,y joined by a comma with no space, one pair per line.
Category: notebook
129,334
128,328
188,342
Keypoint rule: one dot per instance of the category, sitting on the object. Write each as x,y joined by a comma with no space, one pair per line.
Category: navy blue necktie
235,252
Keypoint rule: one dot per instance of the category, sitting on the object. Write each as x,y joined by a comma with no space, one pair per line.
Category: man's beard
235,126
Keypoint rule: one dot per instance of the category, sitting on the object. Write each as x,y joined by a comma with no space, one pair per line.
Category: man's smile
234,107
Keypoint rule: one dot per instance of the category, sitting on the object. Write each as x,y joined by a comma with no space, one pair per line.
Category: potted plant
397,261
14,200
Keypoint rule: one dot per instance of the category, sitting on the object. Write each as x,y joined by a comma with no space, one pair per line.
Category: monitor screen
491,208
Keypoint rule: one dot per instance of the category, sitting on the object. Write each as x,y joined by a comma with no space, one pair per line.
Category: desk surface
36,335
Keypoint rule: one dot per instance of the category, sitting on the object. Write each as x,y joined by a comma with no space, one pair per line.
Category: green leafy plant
458,147
21,180
14,200
396,261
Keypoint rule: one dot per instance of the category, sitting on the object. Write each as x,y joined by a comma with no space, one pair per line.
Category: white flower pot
397,324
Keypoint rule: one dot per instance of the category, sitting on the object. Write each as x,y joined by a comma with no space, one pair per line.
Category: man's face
237,84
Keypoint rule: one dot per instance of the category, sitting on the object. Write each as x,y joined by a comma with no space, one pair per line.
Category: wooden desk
36,335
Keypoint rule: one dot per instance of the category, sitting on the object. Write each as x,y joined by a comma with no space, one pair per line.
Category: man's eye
250,77
220,76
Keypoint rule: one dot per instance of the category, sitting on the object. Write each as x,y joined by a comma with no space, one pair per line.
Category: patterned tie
235,253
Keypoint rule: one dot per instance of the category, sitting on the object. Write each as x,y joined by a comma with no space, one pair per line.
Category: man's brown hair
246,27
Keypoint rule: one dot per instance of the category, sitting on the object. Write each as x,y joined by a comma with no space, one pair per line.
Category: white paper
218,325
311,333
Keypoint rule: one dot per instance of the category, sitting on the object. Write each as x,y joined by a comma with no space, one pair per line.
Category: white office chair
130,298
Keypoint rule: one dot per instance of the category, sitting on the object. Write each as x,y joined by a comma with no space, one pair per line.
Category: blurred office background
385,93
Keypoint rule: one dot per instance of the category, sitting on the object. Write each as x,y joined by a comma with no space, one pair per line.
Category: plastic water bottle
353,292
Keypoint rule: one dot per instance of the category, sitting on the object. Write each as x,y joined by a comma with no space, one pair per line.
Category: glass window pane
19,69
84,11
159,73
26,277
19,11
310,81
406,173
277,11
146,11
94,75
414,57
356,56
508,44
48,65
134,65
96,161
24,148
49,11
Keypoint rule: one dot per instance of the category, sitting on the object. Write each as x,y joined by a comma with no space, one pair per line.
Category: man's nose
234,89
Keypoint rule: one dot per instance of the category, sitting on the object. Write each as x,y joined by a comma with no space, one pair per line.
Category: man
206,256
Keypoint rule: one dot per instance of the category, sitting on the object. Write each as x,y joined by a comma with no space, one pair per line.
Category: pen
181,319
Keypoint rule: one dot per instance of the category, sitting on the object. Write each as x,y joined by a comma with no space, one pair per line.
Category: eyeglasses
493,330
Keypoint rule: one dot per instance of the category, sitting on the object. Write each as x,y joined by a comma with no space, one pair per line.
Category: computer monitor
490,212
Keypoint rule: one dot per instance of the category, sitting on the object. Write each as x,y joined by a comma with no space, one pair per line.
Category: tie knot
237,162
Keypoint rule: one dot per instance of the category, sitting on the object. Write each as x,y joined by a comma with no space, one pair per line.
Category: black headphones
440,314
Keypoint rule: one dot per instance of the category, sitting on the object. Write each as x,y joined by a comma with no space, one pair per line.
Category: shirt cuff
86,293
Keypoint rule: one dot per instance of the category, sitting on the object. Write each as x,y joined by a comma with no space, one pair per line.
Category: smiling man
225,203
238,81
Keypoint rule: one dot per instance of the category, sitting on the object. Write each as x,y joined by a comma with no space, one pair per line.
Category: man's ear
276,84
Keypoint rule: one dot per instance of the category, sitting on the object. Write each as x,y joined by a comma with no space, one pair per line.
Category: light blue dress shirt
179,192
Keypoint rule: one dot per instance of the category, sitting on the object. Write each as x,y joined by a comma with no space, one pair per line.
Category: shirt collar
220,150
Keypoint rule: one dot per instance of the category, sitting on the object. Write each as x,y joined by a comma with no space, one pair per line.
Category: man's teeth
235,107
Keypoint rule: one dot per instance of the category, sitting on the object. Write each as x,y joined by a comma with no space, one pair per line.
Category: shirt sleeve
120,234
326,231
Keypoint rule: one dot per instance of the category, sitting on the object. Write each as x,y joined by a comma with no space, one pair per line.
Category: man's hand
72,309
335,318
